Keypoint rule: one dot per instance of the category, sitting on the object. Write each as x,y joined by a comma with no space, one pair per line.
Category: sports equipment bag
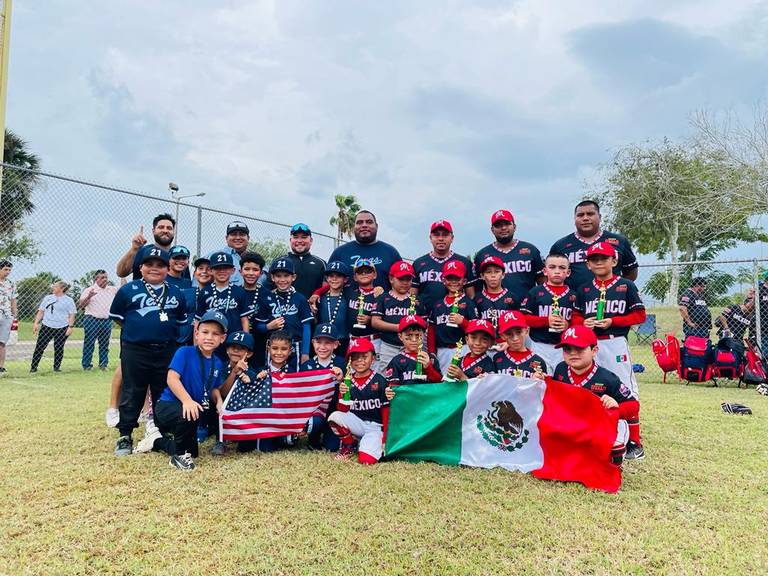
728,359
696,359
667,354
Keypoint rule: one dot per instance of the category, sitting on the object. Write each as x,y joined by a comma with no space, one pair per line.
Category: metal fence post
199,231
756,283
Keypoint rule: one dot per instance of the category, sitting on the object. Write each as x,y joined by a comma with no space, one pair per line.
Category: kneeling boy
517,360
480,337
403,368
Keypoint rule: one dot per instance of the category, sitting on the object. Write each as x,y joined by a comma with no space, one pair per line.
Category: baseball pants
386,353
179,435
613,354
368,433
552,356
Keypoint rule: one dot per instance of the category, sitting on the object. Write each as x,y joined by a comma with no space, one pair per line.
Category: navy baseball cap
179,252
154,253
326,330
240,338
200,259
214,316
221,260
300,227
237,226
337,268
282,265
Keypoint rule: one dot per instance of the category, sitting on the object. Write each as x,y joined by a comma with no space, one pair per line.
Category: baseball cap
237,226
240,338
359,346
364,263
214,316
337,268
454,268
502,216
579,336
511,319
411,320
179,252
201,259
699,281
444,224
491,261
154,253
601,249
480,326
221,260
326,330
400,269
282,265
300,227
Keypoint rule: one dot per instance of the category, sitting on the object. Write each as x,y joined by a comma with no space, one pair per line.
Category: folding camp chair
646,332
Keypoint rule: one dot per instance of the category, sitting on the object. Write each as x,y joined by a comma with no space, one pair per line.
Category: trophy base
451,325
555,330
359,326
420,377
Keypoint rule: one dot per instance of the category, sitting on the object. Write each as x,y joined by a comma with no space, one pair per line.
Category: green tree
16,201
269,248
344,219
31,291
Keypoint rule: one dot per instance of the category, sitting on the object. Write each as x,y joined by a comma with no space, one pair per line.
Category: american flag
278,405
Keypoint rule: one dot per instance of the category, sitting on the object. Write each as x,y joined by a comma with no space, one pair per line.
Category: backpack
696,359
728,359
667,354
754,369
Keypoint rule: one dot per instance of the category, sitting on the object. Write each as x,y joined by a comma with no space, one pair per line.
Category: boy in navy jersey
619,303
579,345
402,368
286,310
364,276
201,278
493,300
332,307
548,310
150,312
193,374
449,325
480,337
517,360
362,418
251,268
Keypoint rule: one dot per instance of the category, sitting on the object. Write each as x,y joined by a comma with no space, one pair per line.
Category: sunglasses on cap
300,227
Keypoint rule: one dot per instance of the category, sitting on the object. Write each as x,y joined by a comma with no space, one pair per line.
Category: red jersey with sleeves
392,309
474,366
368,397
597,380
522,265
622,304
522,364
491,306
352,296
538,306
402,367
446,336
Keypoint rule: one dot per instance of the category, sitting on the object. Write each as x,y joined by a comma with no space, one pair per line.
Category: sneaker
32,370
150,427
219,449
2,370
124,446
182,461
57,369
345,452
112,417
634,451
87,368
148,442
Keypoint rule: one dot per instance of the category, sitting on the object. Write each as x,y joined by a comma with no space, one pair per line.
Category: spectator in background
7,308
238,237
735,319
54,320
97,326
697,319
163,233
309,269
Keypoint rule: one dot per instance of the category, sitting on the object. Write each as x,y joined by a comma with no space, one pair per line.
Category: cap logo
325,329
483,323
238,336
404,266
499,213
155,252
410,318
221,257
599,246
510,316
280,264
451,265
569,333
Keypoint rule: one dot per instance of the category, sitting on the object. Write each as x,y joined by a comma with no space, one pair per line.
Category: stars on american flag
257,394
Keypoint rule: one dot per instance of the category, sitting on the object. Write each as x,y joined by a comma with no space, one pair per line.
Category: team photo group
313,352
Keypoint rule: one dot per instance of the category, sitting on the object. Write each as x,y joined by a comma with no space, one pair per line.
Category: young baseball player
286,310
548,309
332,307
178,267
618,302
251,268
580,348
480,337
517,360
364,275
362,418
150,311
403,367
450,315
493,299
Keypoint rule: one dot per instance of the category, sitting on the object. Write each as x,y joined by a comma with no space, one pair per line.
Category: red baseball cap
401,268
602,249
454,268
481,326
441,224
500,215
360,345
579,336
491,261
411,320
511,319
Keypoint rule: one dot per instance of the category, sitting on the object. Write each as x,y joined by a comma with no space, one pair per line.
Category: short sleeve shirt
199,375
56,310
7,293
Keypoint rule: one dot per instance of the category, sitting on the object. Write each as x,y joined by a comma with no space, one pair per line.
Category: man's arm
685,316
125,264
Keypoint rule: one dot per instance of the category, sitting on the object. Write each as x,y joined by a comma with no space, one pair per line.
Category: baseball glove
762,389
733,408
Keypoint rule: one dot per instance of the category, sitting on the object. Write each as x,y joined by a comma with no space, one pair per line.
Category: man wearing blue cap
307,267
150,312
178,267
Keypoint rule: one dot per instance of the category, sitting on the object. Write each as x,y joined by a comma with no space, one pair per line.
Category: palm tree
17,185
344,220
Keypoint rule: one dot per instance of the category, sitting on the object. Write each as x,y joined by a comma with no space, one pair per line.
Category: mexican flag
553,430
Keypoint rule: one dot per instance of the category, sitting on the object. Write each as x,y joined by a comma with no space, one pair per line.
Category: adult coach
586,217
697,319
309,269
97,325
523,265
163,233
238,236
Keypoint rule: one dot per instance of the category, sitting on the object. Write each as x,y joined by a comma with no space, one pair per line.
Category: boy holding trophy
412,365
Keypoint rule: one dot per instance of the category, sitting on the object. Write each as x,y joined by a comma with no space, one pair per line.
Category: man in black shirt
309,269
697,319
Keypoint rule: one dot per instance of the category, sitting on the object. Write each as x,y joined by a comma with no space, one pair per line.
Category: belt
367,337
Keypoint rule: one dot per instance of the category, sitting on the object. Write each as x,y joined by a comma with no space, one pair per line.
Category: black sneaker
32,370
634,451
124,446
3,369
182,461
87,367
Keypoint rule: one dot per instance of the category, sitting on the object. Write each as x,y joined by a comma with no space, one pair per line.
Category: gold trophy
600,313
555,311
360,311
454,309
456,360
412,305
418,373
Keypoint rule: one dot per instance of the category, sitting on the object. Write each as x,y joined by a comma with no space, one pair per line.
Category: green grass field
696,505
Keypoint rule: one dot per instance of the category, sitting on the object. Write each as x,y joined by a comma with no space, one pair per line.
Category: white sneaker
112,417
147,443
150,428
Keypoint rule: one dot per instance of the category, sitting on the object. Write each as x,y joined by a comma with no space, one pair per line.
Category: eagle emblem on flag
503,427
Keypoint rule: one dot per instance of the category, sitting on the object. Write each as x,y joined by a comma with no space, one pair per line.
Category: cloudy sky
423,110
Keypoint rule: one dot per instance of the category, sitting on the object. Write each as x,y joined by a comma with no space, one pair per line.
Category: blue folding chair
646,332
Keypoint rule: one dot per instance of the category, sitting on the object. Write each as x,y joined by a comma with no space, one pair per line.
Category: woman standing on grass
57,314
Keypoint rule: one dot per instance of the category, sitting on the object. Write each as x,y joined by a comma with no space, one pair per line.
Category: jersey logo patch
612,241
622,288
524,251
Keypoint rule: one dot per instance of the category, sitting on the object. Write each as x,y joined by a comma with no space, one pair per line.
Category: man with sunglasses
309,269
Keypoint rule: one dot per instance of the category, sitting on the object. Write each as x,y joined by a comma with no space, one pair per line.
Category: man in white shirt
97,326
7,308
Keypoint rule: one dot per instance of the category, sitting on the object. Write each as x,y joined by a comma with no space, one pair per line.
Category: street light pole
174,190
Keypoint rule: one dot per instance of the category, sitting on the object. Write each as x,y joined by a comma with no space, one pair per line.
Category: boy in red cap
364,275
402,368
493,300
548,309
610,305
393,306
517,360
362,418
579,345
480,337
450,314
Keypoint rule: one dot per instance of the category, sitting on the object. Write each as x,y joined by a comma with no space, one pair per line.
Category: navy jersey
491,306
736,321
392,309
402,368
522,265
290,305
598,380
446,336
181,283
698,311
334,310
314,364
352,296
231,301
368,397
474,367
518,364
621,298
140,312
136,266
381,254
575,248
539,303
429,276
199,375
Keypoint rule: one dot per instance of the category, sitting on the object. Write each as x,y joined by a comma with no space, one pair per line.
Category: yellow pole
5,47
